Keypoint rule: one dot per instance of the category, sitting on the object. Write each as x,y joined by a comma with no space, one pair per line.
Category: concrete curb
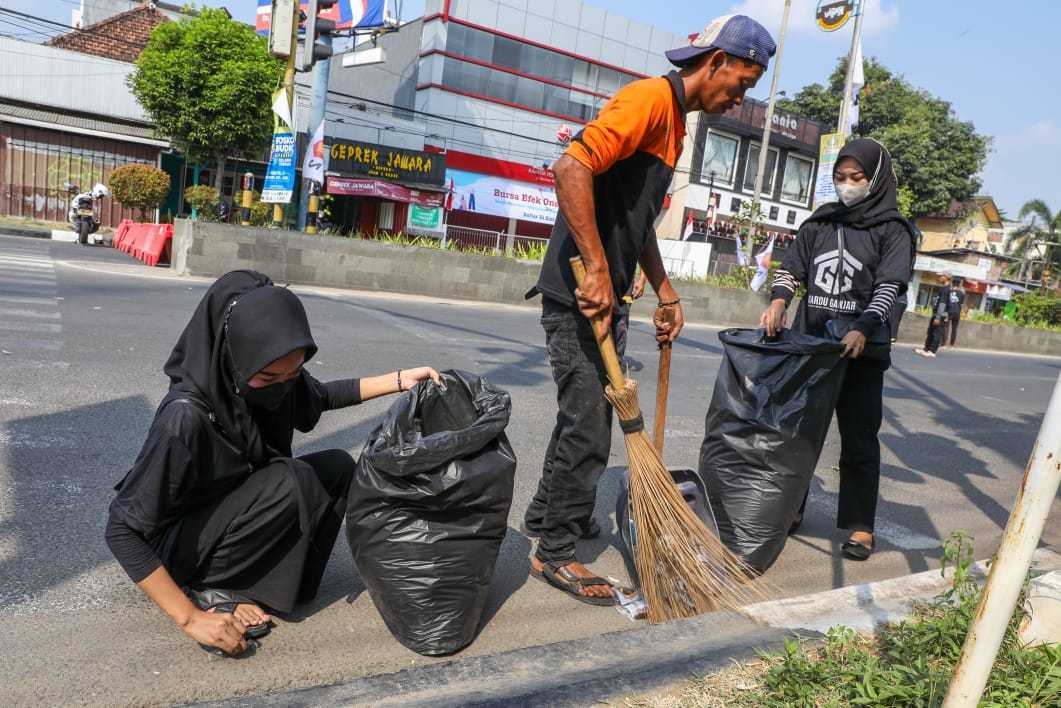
636,661
25,231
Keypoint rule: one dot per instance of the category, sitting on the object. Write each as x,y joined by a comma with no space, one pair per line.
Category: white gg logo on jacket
825,272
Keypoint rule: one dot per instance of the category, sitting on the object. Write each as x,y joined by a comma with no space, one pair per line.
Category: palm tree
1040,224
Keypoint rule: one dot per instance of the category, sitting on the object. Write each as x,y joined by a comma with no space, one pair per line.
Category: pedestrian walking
217,521
855,257
611,183
955,301
934,336
622,319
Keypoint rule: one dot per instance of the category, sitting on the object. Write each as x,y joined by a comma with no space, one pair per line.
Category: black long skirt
270,538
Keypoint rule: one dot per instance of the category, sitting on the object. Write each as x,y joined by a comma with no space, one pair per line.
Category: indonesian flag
763,262
688,228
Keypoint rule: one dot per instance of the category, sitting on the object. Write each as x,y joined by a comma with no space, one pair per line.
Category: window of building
536,62
720,158
735,205
791,218
386,216
795,186
752,169
774,212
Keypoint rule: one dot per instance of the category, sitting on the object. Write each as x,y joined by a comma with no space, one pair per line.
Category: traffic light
316,26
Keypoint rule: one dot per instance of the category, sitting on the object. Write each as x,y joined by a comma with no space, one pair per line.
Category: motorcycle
85,212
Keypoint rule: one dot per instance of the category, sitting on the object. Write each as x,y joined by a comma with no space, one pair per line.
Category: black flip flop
589,531
227,601
566,581
856,551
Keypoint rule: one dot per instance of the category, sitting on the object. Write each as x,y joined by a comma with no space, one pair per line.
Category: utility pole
764,149
843,127
289,87
321,76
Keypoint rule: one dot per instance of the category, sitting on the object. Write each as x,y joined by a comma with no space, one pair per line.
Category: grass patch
909,663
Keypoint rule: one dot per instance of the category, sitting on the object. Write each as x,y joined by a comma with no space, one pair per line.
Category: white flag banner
763,262
688,228
281,109
314,165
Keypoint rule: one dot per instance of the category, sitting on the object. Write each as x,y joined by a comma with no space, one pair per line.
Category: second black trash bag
769,415
428,511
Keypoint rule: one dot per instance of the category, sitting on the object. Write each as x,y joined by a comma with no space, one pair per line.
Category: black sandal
591,529
857,551
227,601
562,579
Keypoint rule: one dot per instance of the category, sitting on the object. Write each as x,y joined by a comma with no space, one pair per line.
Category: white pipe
1004,583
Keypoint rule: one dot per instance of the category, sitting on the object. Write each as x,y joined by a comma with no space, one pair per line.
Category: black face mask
267,397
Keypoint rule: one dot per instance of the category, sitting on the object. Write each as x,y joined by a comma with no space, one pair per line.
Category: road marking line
30,327
51,346
27,262
30,313
31,282
17,271
19,300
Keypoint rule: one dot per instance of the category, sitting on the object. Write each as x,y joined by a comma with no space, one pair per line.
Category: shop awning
351,187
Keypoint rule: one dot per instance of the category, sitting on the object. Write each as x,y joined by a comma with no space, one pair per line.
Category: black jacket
871,257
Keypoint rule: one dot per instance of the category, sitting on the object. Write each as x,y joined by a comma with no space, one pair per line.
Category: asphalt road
84,333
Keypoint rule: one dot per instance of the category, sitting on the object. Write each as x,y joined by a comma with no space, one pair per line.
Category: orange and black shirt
632,147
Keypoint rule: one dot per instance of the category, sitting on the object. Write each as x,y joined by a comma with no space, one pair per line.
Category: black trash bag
428,512
769,415
692,489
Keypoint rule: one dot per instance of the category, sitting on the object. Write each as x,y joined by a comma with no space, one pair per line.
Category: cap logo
751,53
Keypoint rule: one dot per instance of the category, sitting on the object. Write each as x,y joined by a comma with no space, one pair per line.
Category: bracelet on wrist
672,303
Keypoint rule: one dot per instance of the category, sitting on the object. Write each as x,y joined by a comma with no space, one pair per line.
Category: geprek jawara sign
383,162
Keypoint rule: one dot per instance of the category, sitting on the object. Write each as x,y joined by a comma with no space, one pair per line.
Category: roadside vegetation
909,663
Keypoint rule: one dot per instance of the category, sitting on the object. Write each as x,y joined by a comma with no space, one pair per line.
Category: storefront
380,189
497,195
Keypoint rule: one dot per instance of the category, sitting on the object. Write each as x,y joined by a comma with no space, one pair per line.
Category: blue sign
348,14
280,177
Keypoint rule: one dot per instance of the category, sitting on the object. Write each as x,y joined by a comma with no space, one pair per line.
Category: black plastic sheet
769,415
429,509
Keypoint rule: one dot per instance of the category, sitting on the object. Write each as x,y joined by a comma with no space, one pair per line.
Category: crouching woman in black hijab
855,257
217,521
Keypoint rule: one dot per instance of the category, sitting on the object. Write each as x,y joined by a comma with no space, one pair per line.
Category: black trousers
858,416
270,538
581,442
950,333
933,337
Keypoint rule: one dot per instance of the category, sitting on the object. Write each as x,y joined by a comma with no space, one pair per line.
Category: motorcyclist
96,193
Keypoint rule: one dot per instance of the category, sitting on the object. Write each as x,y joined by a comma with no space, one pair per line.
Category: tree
140,187
207,84
937,156
1040,225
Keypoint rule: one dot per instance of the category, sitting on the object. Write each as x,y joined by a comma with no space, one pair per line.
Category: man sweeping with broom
611,184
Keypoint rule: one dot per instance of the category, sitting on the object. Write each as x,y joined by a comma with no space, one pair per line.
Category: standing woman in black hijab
855,257
216,521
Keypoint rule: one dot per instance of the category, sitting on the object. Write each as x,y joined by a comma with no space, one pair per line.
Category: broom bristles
685,569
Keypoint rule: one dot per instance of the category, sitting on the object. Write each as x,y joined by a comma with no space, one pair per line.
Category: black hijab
881,204
242,324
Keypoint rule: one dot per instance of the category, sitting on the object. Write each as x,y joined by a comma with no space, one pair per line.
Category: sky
996,63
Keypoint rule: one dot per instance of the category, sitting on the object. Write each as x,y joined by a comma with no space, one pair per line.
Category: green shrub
140,187
1042,306
261,213
203,199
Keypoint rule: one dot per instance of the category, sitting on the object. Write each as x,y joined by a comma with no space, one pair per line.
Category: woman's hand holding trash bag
773,318
854,342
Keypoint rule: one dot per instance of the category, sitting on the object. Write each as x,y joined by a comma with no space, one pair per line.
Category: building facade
54,131
498,87
717,184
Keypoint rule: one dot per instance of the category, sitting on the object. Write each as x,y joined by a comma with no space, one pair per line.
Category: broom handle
606,345
663,386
